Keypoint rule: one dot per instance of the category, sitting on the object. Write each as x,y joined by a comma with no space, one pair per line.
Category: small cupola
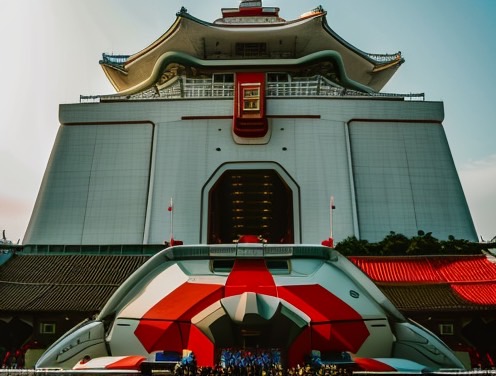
250,12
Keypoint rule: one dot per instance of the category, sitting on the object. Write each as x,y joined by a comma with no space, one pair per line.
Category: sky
50,51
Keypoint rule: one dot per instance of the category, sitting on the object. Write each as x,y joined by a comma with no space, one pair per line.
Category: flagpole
330,215
330,242
171,210
331,209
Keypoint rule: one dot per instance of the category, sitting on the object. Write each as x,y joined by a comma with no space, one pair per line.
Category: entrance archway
251,201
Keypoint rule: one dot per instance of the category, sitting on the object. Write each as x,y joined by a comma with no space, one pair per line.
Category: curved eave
364,55
213,42
252,64
368,71
117,75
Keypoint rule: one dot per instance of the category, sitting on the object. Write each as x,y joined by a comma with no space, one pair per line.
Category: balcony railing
316,86
385,58
114,59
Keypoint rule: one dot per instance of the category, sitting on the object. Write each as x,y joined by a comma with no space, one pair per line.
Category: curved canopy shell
217,45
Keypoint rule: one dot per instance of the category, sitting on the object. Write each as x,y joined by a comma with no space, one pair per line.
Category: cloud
14,217
479,183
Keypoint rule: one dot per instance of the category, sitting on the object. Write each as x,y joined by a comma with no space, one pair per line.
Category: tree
393,244
399,245
353,246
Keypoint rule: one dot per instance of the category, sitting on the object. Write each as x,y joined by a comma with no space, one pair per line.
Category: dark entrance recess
250,202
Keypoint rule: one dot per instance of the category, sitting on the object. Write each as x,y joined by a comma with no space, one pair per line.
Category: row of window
274,266
228,78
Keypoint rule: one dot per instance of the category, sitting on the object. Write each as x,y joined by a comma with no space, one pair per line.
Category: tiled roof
428,269
397,269
426,297
37,283
434,282
477,293
62,282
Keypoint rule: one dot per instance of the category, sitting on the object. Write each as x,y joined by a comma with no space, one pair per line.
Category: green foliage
394,245
399,245
352,246
454,246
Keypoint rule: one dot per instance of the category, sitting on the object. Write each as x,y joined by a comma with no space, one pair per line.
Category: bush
399,245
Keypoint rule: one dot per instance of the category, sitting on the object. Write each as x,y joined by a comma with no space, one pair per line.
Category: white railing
207,88
304,87
315,86
385,58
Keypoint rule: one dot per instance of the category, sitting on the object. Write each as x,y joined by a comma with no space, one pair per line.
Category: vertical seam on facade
354,208
149,195
89,185
410,182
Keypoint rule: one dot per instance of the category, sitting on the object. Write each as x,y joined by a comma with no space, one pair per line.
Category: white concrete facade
115,166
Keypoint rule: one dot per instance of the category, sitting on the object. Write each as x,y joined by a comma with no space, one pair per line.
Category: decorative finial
319,9
183,10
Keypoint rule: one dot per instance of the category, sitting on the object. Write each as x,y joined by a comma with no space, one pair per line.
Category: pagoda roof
213,46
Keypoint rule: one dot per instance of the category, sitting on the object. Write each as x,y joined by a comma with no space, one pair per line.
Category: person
9,360
83,361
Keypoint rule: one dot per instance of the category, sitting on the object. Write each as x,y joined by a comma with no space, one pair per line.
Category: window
223,85
446,329
278,266
47,328
251,99
251,49
222,78
222,266
277,77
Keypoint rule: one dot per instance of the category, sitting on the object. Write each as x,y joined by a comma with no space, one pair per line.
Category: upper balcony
222,86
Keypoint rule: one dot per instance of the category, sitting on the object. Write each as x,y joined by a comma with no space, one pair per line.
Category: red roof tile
477,293
466,268
428,269
398,269
434,282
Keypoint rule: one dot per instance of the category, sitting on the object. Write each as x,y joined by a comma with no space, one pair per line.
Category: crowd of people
259,370
240,362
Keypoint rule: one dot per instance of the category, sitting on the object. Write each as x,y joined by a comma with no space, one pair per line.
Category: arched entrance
251,201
